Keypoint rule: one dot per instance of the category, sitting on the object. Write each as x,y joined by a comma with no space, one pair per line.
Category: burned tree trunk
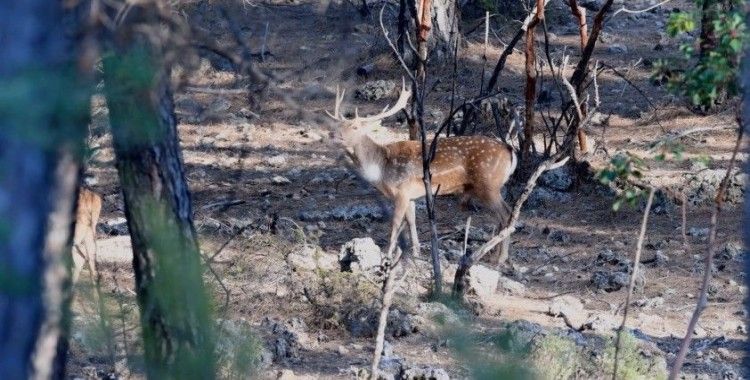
173,301
43,112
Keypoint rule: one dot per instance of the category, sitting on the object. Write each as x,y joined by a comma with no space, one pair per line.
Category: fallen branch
702,298
468,259
633,276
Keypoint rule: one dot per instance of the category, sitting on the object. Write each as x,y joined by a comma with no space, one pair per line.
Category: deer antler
337,107
403,99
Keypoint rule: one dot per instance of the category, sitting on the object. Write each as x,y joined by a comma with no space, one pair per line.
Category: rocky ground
300,277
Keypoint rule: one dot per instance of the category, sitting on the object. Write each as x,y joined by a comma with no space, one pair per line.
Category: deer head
352,130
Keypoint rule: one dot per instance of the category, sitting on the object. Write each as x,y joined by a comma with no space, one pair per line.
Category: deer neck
369,157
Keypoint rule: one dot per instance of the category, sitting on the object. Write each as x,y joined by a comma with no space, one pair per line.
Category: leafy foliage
716,70
621,168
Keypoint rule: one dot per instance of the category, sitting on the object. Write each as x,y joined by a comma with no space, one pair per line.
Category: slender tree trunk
530,91
580,14
746,220
43,109
174,305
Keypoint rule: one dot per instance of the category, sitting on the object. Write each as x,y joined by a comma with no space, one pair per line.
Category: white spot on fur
371,172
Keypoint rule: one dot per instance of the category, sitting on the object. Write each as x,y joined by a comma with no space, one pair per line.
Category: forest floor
273,181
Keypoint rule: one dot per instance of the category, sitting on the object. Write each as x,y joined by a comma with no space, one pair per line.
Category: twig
217,91
226,243
634,11
702,299
633,277
468,259
223,205
393,47
466,235
263,46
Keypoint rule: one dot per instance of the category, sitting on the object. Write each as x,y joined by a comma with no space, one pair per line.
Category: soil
234,148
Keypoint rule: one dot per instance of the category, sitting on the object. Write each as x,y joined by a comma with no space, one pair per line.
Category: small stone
116,226
276,161
569,308
374,90
343,351
280,180
617,49
424,373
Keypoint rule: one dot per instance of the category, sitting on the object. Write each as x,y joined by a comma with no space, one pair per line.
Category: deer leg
399,212
411,219
498,206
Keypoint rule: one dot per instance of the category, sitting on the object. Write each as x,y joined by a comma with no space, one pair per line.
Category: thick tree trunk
43,111
174,305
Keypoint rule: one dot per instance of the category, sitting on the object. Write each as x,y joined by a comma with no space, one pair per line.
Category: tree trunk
43,109
745,116
446,22
530,89
174,304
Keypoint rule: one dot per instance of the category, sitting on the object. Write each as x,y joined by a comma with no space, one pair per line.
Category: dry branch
703,298
633,276
468,259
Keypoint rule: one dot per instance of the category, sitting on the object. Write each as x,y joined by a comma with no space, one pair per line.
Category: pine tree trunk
43,112
173,301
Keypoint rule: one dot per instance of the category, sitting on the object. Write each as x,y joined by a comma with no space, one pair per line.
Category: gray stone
280,180
560,179
542,196
424,373
363,322
360,255
290,338
731,251
610,281
569,308
512,287
702,186
617,49
115,226
374,90
698,232
559,236
276,161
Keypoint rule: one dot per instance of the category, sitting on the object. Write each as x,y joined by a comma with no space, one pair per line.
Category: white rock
483,281
280,180
360,254
276,161
512,287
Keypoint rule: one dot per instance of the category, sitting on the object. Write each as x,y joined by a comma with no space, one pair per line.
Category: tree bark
580,14
174,305
43,112
530,90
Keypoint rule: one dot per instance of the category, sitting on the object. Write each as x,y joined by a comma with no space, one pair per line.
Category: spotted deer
470,166
84,236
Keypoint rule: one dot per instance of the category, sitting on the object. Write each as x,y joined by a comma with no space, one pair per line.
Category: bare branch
633,276
703,298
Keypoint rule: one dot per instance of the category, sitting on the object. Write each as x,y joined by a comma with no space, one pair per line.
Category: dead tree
43,118
580,14
174,304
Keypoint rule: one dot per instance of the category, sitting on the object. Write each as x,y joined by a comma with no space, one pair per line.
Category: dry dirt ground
235,150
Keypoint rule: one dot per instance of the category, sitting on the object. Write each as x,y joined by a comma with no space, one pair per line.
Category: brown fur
472,166
84,237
